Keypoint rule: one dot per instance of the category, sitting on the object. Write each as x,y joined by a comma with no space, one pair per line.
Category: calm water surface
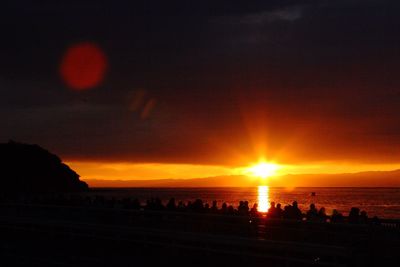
383,202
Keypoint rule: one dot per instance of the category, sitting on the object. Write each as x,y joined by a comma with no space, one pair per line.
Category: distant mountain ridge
217,181
360,179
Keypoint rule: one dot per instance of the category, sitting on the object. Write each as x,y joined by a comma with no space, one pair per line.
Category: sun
263,169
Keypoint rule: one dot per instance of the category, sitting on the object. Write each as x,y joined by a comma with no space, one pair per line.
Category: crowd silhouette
290,211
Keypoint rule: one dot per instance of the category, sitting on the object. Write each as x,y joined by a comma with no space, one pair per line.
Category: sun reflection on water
263,198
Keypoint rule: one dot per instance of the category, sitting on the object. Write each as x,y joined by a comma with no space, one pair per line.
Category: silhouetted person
149,204
272,211
181,206
198,206
312,213
363,217
286,212
240,208
136,204
214,208
224,209
354,215
295,212
243,208
206,207
231,210
171,204
279,211
322,215
336,217
158,204
254,210
246,207
189,206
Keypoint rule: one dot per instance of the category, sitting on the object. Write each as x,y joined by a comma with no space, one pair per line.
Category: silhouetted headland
29,169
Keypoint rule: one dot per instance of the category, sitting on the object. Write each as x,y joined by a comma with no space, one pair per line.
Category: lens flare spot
147,109
83,66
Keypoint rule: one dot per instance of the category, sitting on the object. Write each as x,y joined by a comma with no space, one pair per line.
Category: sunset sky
184,89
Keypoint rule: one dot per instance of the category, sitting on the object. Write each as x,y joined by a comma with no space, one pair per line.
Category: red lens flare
83,66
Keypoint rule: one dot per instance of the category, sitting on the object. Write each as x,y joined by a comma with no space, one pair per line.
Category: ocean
381,202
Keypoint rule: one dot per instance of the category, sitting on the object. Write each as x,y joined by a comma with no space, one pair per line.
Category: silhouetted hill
361,179
29,168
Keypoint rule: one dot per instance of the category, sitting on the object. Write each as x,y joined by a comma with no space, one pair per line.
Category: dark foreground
46,235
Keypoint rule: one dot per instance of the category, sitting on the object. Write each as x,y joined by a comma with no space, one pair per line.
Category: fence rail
291,241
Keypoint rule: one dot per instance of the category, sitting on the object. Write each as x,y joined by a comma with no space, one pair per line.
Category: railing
390,223
226,233
289,252
257,227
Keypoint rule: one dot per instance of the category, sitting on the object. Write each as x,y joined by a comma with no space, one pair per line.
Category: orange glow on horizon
147,171
234,176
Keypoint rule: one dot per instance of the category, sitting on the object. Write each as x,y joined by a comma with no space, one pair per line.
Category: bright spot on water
263,198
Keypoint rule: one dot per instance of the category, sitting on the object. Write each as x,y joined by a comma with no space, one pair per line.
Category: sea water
381,202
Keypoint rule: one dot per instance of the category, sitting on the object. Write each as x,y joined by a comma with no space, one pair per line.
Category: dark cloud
315,78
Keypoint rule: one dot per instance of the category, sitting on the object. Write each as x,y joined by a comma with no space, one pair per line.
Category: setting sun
263,169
